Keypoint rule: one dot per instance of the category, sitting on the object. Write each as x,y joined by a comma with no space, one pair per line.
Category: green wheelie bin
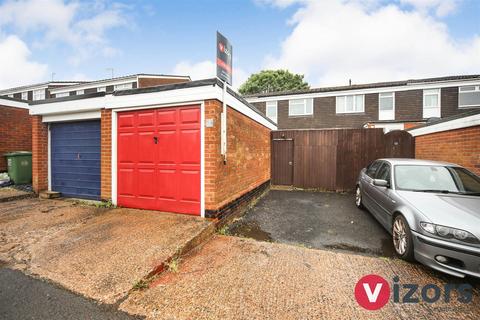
19,164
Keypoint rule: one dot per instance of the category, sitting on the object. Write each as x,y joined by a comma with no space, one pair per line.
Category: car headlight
449,233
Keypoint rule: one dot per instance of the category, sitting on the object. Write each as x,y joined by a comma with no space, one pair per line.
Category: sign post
224,73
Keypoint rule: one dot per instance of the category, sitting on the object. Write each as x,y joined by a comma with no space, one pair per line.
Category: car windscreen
432,178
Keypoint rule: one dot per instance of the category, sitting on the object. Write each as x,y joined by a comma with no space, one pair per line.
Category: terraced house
395,105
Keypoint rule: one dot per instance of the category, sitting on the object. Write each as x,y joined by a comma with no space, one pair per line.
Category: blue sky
330,41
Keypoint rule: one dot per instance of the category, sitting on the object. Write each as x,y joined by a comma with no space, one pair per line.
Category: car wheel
358,198
402,238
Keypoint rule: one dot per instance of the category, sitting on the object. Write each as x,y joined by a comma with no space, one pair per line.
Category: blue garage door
75,156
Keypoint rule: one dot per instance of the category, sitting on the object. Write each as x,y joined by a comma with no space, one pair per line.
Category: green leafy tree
272,81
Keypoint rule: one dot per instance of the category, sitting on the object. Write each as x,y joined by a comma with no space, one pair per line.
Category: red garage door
158,164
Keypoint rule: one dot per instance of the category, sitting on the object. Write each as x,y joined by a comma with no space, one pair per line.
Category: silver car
431,209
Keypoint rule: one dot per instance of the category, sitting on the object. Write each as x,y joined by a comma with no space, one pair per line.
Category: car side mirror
381,183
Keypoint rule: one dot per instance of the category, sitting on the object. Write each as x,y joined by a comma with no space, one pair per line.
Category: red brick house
16,129
455,139
153,148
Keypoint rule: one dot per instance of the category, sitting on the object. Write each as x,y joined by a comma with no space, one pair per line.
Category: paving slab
235,278
98,252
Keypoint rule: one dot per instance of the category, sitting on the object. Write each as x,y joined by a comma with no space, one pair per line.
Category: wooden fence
331,159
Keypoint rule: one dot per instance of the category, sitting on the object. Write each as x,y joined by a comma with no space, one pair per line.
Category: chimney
349,82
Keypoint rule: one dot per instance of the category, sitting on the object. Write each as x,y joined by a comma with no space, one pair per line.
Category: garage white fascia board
70,106
13,104
158,98
419,86
88,115
466,122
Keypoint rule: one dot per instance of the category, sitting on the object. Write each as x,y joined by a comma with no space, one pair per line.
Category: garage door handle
155,140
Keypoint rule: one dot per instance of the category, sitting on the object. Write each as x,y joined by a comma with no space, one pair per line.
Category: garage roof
165,94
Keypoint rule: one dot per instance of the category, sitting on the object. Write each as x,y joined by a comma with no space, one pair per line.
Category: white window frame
305,103
102,89
436,111
25,95
386,114
80,92
339,109
123,86
460,91
62,94
38,94
270,105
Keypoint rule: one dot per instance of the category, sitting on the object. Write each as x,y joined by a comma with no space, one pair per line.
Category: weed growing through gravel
172,266
223,231
140,285
105,204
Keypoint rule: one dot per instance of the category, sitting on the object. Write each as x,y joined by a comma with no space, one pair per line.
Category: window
271,110
102,89
80,92
386,106
350,104
431,103
10,95
38,94
372,168
62,94
24,95
123,86
469,96
383,173
300,107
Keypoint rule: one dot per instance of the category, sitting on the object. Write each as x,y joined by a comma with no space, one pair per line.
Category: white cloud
440,7
81,25
207,69
335,40
16,67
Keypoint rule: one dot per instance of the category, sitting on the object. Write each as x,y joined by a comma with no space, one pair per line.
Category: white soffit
13,103
460,123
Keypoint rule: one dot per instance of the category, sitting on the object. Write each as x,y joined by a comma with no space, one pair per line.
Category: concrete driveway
237,278
100,253
319,220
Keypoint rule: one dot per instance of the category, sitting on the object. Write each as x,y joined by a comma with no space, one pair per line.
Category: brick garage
188,112
16,128
455,139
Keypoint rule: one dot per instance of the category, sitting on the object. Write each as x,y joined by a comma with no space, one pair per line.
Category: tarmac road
24,297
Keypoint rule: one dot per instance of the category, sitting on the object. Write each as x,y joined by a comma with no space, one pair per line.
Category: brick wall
106,154
151,82
39,154
248,156
15,132
460,146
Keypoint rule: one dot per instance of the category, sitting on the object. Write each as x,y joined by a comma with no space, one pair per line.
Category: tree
272,81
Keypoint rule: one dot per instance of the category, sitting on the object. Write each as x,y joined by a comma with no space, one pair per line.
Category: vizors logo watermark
372,292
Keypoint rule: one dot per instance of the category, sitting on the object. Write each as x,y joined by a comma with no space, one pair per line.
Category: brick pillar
106,154
39,154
